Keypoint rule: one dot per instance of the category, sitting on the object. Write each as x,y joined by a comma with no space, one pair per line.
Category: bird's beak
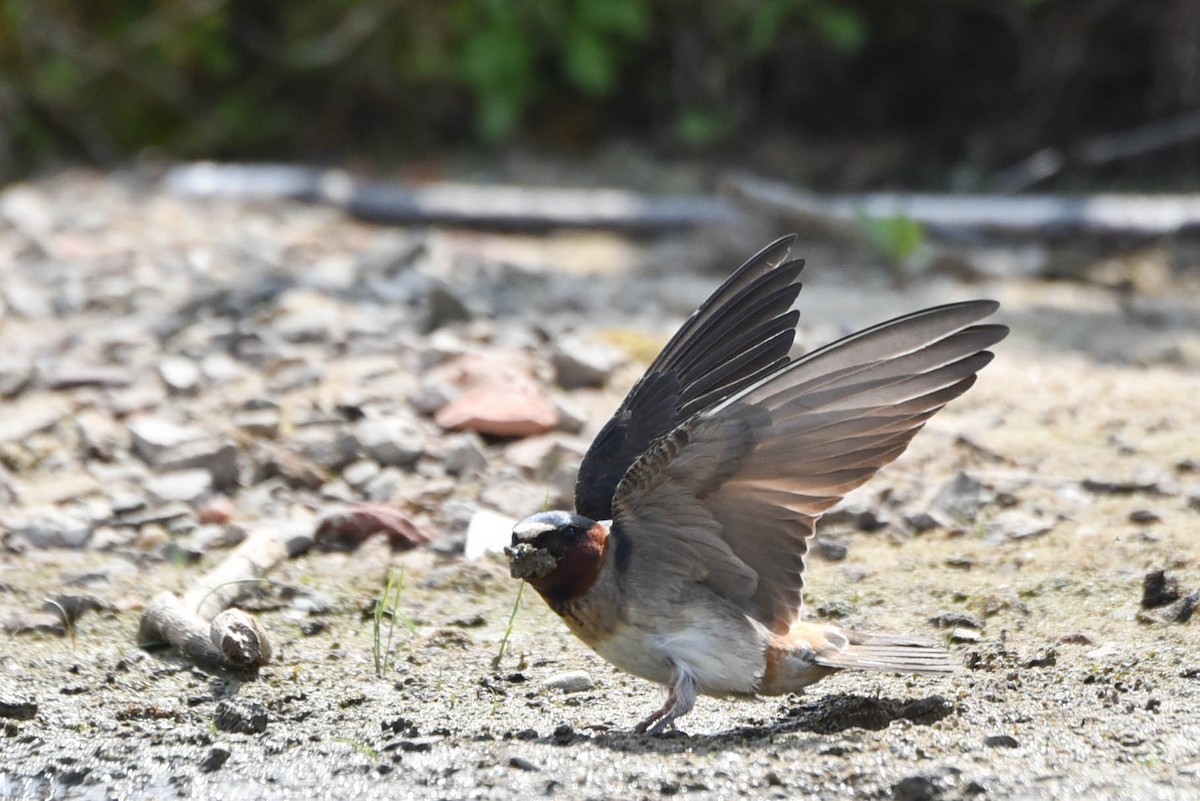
528,561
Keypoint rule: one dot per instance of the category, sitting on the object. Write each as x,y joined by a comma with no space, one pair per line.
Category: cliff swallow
684,560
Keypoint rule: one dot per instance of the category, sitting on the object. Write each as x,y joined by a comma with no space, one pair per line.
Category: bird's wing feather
740,334
740,485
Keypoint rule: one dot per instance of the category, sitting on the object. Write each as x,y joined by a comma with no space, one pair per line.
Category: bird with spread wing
683,562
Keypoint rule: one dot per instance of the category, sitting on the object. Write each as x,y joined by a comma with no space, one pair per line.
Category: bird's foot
680,699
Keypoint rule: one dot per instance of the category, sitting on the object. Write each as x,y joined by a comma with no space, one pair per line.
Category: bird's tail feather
887,653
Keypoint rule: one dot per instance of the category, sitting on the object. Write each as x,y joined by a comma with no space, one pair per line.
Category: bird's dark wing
731,496
741,333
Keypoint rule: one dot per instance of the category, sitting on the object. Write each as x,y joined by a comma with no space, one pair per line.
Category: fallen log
955,216
497,207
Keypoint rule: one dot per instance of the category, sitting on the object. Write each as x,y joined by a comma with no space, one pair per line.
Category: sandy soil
1084,438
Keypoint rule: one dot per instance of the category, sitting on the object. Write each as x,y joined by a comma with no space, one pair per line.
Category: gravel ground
178,373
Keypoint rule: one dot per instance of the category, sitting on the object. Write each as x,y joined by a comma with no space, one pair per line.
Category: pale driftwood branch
201,626
1138,216
451,204
1099,150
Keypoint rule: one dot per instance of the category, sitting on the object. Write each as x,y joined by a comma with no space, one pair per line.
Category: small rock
206,538
14,378
215,759
582,363
167,513
180,374
521,763
1180,611
1013,524
17,708
293,374
1108,649
221,368
22,420
512,411
949,620
1047,657
1144,517
328,447
518,497
345,529
542,456
830,550
357,474
961,635
1104,487
572,681
37,623
63,377
465,455
218,511
1159,589
571,420
187,486
488,532
259,422
48,527
1001,741
1077,638
390,442
154,436
443,307
293,469
431,396
219,458
916,788
921,522
242,717
384,486
962,497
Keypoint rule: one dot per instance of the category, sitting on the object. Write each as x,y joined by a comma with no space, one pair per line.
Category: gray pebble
572,681
49,527
188,486
218,457
259,422
831,550
357,474
243,717
215,759
153,436
385,486
391,442
962,497
465,455
180,374
581,363
14,378
1001,741
15,708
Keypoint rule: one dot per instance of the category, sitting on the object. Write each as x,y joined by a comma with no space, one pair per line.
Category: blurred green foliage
974,82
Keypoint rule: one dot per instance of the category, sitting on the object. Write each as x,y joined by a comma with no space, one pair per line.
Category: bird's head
559,553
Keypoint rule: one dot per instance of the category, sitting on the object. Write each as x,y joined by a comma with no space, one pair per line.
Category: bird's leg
681,697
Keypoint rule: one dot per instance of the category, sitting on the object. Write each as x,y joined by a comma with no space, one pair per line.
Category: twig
201,626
